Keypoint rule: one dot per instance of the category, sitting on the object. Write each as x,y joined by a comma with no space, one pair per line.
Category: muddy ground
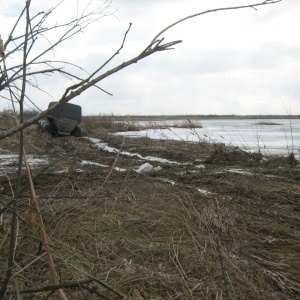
206,222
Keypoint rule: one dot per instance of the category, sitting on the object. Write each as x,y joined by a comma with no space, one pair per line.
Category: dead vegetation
228,229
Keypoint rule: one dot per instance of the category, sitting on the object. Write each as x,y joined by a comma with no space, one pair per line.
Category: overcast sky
230,62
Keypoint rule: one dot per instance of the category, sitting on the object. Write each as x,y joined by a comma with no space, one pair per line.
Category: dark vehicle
62,121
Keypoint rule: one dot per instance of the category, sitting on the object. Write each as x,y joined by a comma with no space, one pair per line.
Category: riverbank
156,219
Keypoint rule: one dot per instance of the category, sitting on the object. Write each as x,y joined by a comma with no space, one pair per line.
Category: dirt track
210,222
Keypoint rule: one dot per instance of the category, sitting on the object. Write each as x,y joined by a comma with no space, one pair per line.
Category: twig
70,285
18,294
210,11
154,46
110,171
13,237
34,198
224,275
79,88
35,203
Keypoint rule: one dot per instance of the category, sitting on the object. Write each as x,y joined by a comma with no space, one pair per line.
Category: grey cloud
273,55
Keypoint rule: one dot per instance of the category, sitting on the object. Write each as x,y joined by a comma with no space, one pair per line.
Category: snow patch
148,168
6,159
239,171
88,162
205,192
105,147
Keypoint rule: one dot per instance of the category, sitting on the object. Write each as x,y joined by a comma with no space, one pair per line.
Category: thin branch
113,56
13,234
78,89
154,46
75,26
210,11
76,284
224,273
14,27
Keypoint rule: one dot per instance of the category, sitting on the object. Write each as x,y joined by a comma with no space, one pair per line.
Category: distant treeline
194,117
31,113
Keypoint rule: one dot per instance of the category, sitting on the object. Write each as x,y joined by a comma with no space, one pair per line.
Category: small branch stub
1,47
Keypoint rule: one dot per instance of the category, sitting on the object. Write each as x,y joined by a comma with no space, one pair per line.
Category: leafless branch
156,45
71,285
76,90
210,11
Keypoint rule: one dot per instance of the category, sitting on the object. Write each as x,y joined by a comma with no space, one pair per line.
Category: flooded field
154,218
269,136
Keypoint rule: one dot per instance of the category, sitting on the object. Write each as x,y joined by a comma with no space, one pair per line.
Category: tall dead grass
133,236
151,240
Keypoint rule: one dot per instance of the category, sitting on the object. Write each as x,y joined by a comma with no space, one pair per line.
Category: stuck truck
62,121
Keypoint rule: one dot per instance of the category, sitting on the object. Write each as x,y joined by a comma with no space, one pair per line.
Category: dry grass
108,122
149,239
187,124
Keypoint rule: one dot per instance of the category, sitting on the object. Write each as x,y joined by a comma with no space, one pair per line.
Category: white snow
6,159
145,168
202,191
105,147
88,162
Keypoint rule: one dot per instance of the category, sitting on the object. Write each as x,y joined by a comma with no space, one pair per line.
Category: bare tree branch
266,2
13,224
78,284
75,90
155,46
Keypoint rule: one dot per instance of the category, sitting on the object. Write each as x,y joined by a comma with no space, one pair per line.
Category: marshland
154,218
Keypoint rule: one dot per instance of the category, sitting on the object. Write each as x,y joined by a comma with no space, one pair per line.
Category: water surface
270,136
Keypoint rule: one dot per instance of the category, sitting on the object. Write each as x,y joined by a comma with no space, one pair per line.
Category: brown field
217,223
